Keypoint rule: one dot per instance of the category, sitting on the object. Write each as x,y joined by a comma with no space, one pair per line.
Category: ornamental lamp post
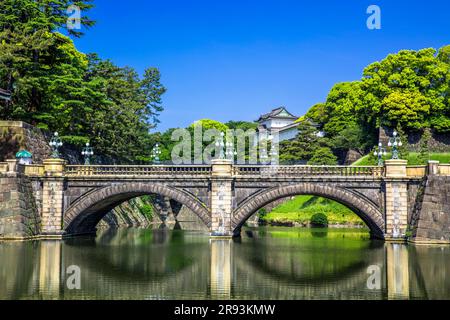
380,153
155,154
55,144
219,145
395,142
87,152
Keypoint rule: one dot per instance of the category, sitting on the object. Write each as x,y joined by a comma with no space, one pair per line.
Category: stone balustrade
3,167
33,170
444,169
36,170
416,171
135,170
301,170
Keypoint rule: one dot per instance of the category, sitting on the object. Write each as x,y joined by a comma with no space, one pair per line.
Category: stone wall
431,218
19,216
439,142
17,135
188,220
127,214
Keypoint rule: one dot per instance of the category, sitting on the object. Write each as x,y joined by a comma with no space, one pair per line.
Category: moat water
265,263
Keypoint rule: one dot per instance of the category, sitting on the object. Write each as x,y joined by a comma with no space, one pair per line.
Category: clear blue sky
230,59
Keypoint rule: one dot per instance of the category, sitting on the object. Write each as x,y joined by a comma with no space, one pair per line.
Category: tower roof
280,112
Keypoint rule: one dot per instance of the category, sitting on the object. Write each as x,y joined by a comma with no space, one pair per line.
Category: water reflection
397,271
50,269
266,263
221,268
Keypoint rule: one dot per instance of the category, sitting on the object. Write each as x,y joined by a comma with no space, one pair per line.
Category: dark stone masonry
19,216
17,135
433,220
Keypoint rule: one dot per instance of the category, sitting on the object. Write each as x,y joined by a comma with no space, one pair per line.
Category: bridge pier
396,200
53,199
221,198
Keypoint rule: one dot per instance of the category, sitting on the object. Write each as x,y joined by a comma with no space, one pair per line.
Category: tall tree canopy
408,90
56,87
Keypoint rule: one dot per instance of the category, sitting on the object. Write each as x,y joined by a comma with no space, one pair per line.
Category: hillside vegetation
301,208
413,158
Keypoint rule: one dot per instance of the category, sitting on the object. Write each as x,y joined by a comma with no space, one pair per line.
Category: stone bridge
395,201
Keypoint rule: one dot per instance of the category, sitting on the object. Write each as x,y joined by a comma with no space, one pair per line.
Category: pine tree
303,146
323,156
403,150
424,150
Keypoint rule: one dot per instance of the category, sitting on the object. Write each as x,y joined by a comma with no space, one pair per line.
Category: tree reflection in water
266,263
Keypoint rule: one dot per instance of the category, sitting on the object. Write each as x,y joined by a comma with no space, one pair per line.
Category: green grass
301,208
413,159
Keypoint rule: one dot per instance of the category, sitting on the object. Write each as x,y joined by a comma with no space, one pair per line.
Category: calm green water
266,263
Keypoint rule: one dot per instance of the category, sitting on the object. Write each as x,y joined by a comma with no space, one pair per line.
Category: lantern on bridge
24,157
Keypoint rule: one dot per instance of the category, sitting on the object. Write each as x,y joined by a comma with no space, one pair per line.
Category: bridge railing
416,170
121,170
444,169
299,170
3,167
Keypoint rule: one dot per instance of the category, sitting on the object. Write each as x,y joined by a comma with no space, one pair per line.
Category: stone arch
85,213
365,209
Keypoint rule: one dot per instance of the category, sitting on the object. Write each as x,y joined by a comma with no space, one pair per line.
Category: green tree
56,87
341,105
444,54
323,156
352,137
209,124
424,150
243,125
303,146
125,110
408,89
319,220
403,150
47,15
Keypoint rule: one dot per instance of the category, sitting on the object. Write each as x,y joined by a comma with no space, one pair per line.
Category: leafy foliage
319,220
323,156
424,150
58,88
303,146
408,90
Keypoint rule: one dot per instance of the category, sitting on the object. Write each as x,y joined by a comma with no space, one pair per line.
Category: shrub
323,156
147,210
319,220
262,213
